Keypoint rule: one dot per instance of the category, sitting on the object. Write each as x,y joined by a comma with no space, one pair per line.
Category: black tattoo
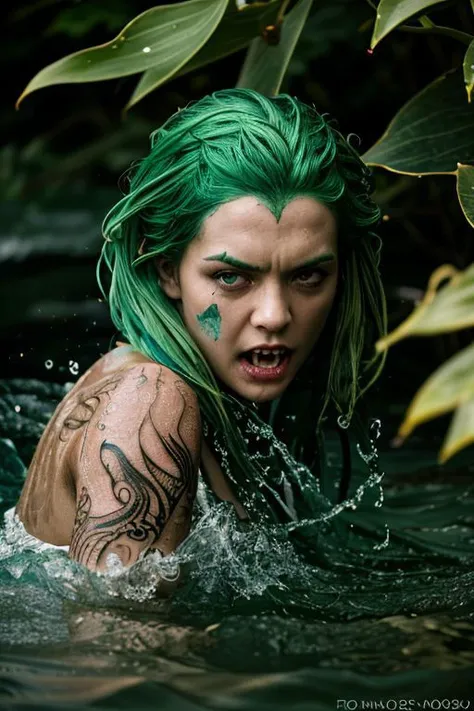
146,497
85,409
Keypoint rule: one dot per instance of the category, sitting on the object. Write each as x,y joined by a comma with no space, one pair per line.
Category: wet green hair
230,144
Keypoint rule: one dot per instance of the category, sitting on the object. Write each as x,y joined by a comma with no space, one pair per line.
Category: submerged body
243,272
116,469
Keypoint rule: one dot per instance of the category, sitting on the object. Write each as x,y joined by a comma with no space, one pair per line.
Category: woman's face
255,293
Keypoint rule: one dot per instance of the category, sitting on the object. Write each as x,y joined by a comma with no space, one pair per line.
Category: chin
261,394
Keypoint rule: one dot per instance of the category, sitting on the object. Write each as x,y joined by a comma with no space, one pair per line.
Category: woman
243,276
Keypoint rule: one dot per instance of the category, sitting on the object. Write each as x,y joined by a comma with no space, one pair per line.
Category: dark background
64,149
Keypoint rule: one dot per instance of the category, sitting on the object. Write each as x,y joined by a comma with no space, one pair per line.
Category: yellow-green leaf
164,37
465,188
431,133
448,387
461,430
265,65
448,309
235,31
468,69
391,13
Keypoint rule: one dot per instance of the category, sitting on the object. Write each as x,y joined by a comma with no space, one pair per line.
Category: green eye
229,278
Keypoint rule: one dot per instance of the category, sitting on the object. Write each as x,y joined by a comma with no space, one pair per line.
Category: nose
271,309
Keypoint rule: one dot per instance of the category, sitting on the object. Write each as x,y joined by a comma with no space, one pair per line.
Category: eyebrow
227,259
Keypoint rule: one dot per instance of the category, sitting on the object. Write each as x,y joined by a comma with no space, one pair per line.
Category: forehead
248,222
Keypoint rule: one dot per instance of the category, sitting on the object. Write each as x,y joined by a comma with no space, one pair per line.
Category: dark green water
255,624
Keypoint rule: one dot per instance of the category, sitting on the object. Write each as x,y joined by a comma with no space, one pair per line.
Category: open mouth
263,358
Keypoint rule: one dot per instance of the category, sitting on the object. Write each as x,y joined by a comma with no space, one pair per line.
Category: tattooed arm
137,469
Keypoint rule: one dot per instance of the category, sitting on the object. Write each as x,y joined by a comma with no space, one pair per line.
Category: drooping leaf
461,430
451,385
235,31
265,65
465,188
431,133
165,37
468,69
391,13
448,309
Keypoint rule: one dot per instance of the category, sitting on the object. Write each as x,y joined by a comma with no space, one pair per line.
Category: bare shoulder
136,468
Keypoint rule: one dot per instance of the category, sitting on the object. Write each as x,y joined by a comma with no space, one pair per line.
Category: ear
168,277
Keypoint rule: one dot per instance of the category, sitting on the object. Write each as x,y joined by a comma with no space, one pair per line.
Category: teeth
266,351
260,363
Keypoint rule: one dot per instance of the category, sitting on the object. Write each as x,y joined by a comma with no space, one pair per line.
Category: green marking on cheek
210,321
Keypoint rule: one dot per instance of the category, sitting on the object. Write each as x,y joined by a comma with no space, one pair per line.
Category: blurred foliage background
63,150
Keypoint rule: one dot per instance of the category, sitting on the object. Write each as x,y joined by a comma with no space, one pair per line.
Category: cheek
316,317
210,322
328,299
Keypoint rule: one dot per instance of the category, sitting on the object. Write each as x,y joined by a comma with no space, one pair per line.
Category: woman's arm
137,469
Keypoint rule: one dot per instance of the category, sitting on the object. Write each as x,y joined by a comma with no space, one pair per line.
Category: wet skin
273,282
116,468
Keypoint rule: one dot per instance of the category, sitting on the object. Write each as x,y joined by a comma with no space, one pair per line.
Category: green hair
231,144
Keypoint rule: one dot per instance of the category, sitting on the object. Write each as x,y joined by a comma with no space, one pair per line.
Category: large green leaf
164,37
468,69
431,133
448,387
235,31
465,188
391,13
461,430
448,309
265,65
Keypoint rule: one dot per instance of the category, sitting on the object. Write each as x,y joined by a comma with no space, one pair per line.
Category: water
258,622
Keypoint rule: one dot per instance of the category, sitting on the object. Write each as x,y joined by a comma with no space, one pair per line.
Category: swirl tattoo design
85,409
146,498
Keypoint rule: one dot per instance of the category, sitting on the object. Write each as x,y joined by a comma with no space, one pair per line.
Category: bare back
117,464
116,468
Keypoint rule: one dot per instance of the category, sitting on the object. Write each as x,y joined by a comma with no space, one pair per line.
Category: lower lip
265,374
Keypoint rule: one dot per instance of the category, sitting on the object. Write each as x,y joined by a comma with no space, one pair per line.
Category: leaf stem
463,37
281,11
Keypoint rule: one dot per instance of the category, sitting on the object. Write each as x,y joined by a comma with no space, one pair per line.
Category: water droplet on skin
48,364
146,49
